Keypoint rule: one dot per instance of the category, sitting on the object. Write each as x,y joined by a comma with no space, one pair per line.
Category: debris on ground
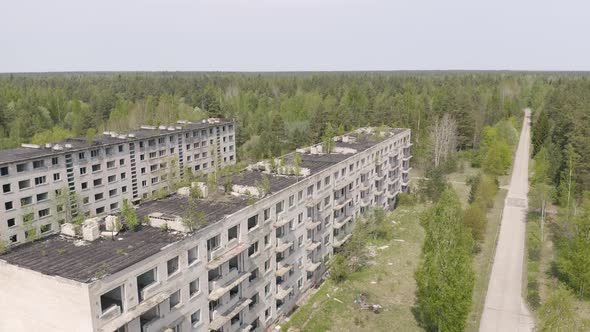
383,247
399,240
371,251
361,301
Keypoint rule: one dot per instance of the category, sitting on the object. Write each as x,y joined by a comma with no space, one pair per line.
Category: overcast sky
290,35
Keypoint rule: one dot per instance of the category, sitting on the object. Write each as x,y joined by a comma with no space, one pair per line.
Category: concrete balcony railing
364,185
221,255
222,280
365,201
342,201
340,223
339,241
379,175
379,190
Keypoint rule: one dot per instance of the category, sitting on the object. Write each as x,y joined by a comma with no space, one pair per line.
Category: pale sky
292,35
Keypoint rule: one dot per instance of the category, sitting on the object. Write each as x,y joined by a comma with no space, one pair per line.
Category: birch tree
443,135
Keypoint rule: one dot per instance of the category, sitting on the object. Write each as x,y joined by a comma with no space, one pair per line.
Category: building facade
44,186
253,259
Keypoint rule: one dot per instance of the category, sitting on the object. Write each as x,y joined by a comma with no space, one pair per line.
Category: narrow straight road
505,309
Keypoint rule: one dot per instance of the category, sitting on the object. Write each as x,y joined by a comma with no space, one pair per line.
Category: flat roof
26,153
58,255
214,207
61,256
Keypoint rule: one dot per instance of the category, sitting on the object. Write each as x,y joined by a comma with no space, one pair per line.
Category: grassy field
390,282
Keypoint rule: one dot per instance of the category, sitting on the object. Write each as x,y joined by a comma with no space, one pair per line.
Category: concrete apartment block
43,186
261,246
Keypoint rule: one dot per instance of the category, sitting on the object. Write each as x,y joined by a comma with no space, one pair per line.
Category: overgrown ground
540,267
390,282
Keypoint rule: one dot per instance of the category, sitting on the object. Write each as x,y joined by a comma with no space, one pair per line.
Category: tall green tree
573,252
445,275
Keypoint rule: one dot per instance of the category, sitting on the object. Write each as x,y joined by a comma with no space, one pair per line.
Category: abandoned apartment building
43,185
264,238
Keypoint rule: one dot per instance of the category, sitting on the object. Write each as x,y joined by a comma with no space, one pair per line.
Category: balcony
281,241
379,175
282,293
405,179
365,185
283,246
232,280
311,267
379,191
222,255
313,246
342,201
313,225
219,320
280,272
393,163
365,201
339,242
281,222
340,224
143,309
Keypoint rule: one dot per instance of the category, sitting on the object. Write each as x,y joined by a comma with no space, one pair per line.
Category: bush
339,268
532,294
404,199
483,190
558,313
475,219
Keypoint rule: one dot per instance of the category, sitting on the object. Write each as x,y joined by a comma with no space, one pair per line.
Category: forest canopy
286,109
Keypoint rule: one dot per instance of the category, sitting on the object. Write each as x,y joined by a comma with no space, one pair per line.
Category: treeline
561,176
274,112
560,182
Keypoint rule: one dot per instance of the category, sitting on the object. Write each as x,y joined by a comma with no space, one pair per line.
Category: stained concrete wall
31,301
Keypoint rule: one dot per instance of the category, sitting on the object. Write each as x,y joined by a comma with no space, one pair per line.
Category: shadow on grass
420,319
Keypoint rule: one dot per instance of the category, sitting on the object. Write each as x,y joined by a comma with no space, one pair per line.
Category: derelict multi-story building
42,186
263,239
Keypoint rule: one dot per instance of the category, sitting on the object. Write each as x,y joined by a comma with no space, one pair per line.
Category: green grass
390,282
533,260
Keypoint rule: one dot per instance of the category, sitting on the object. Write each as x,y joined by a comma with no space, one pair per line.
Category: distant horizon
293,36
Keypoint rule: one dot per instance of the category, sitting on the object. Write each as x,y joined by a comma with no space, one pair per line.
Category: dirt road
505,310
